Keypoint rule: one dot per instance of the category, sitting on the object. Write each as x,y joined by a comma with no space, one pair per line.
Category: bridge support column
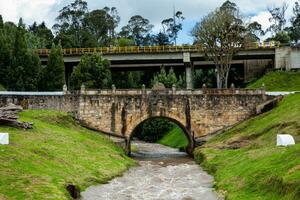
188,70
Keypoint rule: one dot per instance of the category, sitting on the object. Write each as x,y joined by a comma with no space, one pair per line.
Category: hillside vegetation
40,163
247,164
174,138
278,81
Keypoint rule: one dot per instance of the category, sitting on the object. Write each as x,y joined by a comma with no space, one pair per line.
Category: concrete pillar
188,70
189,77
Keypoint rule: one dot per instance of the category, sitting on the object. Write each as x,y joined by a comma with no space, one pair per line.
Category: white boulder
4,138
285,140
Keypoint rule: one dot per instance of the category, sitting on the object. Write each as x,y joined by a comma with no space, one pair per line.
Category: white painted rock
285,140
4,138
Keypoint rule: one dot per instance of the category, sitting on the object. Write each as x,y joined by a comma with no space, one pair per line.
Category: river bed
163,173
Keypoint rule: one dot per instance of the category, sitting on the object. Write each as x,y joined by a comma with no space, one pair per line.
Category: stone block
4,138
285,140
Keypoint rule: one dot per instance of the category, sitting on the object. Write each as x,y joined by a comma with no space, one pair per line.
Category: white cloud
29,10
154,10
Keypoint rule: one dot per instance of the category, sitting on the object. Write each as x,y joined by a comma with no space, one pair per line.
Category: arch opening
177,131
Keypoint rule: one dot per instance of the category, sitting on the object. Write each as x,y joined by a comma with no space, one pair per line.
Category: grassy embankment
278,81
174,138
40,163
2,88
247,164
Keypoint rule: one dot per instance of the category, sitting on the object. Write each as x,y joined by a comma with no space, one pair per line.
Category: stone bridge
199,113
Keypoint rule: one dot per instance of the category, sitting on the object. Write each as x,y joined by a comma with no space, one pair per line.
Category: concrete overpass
253,59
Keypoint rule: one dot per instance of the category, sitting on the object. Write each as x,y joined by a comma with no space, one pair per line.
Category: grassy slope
39,163
259,170
278,81
174,138
2,88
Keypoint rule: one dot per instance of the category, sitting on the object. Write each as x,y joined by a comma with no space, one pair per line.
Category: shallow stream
163,173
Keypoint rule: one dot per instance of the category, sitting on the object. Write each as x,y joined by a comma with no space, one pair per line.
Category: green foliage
2,88
278,81
152,130
24,69
161,39
125,42
206,77
175,138
127,80
168,79
282,37
138,29
256,168
40,163
294,30
52,78
93,72
219,34
172,26
43,35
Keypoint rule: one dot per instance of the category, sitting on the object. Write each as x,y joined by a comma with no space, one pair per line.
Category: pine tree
52,78
24,70
168,79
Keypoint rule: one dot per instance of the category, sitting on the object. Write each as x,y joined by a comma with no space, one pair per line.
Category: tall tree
294,30
255,31
5,54
278,18
43,33
70,29
102,23
221,33
161,39
25,67
93,72
172,26
138,29
52,78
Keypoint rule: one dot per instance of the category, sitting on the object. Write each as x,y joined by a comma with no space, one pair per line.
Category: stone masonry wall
118,112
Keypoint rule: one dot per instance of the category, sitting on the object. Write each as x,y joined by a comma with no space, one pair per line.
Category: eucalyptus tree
277,19
294,30
138,29
173,25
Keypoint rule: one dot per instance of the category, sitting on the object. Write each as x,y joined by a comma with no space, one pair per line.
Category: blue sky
154,10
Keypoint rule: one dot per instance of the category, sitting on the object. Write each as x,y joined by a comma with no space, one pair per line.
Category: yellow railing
147,49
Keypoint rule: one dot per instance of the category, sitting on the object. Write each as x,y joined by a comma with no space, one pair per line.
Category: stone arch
188,133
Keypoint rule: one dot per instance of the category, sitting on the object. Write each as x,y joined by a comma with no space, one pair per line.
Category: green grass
278,81
40,163
2,88
257,169
174,138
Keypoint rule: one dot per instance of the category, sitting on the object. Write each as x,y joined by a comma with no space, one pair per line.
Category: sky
154,10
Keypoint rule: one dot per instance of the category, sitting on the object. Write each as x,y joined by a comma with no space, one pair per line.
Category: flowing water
163,174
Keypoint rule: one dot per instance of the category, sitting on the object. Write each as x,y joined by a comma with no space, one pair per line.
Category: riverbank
245,161
40,163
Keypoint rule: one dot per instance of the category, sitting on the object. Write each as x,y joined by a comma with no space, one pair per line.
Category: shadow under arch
189,135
